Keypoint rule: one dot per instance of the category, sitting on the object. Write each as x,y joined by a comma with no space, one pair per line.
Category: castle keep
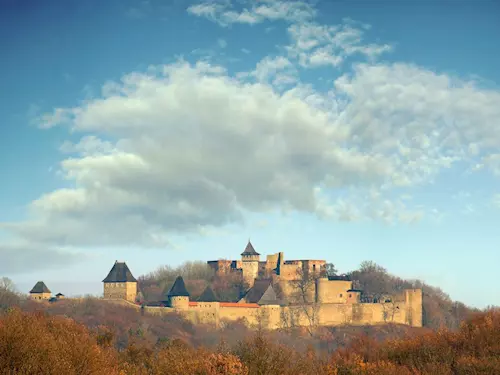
279,294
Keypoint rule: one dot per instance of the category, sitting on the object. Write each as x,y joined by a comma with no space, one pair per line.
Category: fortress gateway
279,294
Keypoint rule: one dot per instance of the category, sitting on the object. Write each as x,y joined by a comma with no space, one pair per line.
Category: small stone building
40,292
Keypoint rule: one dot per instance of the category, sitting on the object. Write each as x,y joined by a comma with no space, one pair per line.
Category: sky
158,132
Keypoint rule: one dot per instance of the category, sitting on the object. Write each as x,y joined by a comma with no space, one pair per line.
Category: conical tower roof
208,295
178,289
249,250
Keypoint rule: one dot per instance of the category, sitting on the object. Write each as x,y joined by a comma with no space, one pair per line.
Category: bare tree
290,316
7,284
330,269
9,296
390,308
303,297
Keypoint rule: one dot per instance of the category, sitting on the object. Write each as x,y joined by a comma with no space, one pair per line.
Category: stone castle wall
407,311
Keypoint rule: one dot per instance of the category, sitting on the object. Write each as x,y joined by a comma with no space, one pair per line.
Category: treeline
38,343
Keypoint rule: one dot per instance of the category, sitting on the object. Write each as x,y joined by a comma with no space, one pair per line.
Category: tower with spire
250,264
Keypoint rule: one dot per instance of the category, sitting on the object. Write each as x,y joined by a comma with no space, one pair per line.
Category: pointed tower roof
208,296
178,289
249,250
119,274
40,287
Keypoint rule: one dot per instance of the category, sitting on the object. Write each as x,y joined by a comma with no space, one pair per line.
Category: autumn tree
40,344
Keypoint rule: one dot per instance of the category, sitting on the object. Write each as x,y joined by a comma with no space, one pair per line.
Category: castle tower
178,296
120,283
414,302
40,291
250,264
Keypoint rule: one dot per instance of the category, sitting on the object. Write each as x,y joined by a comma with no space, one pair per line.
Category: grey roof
262,293
178,289
355,291
59,295
40,287
208,295
249,250
119,274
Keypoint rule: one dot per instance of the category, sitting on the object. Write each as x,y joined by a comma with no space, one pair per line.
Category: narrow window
340,295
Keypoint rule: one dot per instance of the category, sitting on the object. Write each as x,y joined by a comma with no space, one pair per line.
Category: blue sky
157,134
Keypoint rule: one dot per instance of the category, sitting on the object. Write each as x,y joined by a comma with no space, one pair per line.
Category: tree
330,269
229,287
303,296
7,285
9,296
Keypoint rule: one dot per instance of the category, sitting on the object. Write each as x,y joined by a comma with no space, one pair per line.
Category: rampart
404,310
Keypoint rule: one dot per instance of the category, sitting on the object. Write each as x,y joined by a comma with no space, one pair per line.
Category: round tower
178,296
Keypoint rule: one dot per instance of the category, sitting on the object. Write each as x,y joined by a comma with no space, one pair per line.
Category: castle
279,294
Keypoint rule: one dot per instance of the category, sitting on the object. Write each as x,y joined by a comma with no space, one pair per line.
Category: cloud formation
187,146
225,13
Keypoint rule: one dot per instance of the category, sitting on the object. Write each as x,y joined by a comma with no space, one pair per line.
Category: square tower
120,283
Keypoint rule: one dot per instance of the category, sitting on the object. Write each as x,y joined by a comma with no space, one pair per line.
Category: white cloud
244,148
316,45
277,70
224,13
424,119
